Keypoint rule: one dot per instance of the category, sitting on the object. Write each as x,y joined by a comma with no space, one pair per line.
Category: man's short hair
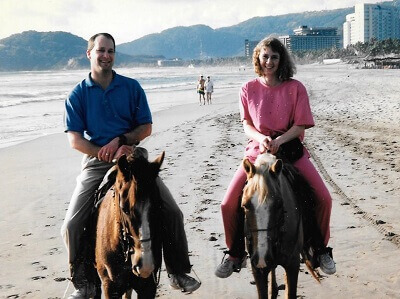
93,38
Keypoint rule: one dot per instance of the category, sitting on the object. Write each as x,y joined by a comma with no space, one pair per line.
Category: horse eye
246,204
125,209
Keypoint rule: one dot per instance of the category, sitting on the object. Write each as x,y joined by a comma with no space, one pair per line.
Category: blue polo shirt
101,115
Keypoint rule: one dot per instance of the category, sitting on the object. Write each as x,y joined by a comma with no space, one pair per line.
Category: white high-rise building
379,21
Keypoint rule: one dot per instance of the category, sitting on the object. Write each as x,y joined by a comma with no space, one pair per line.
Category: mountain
32,50
200,41
192,42
259,27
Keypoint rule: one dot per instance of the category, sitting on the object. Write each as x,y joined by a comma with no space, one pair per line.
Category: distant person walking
209,88
200,89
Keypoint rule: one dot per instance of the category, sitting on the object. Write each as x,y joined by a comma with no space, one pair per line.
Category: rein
255,230
278,224
127,240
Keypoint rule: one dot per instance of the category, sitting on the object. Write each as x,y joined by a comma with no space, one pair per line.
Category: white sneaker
326,264
88,291
228,266
183,282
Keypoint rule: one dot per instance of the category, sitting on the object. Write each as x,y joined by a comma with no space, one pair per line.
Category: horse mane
135,168
257,184
263,171
299,184
304,192
259,179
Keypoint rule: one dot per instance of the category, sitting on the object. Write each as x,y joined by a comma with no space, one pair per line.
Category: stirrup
241,259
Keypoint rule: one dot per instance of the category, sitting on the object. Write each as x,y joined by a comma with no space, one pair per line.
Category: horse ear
156,164
160,159
249,168
123,166
277,166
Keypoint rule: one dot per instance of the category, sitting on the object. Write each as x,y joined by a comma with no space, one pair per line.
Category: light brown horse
128,246
279,214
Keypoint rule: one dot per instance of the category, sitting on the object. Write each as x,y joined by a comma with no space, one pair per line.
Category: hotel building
379,21
303,39
313,38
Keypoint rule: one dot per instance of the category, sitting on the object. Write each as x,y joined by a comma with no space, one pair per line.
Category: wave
167,85
22,99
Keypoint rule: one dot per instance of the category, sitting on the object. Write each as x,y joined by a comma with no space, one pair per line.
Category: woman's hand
270,145
265,144
274,145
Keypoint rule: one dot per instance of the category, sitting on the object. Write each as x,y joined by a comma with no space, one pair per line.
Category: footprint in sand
53,251
38,277
6,286
38,266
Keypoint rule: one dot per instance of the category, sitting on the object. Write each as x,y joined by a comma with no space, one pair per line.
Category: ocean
32,103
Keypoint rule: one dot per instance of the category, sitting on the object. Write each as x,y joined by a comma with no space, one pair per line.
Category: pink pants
232,215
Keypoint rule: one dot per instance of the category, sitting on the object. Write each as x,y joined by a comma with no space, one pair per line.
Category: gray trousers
175,245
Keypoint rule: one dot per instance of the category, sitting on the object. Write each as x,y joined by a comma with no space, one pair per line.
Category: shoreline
156,116
31,111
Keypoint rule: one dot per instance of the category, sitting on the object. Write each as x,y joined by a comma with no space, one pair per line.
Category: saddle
105,185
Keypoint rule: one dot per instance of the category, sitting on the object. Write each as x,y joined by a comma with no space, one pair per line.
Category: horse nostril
135,270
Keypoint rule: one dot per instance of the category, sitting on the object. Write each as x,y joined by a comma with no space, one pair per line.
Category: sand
355,144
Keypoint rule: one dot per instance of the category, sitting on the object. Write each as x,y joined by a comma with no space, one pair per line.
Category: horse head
262,204
135,188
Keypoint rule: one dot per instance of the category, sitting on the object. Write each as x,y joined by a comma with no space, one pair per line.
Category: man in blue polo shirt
106,115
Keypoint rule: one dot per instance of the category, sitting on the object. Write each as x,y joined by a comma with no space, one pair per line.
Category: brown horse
278,205
128,245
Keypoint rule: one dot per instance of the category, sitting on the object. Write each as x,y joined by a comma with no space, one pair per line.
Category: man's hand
107,152
124,150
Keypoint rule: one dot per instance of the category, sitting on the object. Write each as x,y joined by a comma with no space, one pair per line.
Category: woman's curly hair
286,68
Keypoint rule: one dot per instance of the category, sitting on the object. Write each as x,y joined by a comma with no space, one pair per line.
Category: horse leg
272,285
98,287
111,290
128,294
147,289
261,279
291,278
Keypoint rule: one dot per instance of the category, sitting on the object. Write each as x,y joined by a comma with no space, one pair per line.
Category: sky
128,20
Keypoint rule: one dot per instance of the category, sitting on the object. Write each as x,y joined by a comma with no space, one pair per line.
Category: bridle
126,238
277,224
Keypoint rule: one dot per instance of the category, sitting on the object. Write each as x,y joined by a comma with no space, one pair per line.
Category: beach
355,145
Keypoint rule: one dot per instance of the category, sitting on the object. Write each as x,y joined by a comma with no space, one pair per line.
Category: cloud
128,20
